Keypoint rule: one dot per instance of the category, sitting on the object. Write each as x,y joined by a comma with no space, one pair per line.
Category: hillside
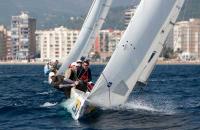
52,13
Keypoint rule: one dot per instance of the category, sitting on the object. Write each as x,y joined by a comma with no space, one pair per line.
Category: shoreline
168,62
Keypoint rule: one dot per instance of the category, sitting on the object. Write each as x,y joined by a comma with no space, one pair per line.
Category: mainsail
92,24
137,51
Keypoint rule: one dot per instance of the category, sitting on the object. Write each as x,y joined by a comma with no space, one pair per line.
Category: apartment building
23,29
3,41
187,39
55,43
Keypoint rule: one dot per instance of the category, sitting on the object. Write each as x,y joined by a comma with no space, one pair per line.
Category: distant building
9,55
55,43
129,13
23,29
105,43
3,42
187,39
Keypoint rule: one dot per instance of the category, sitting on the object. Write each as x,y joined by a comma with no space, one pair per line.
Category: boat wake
48,104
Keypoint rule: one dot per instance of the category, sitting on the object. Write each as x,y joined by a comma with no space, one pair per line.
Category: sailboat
133,59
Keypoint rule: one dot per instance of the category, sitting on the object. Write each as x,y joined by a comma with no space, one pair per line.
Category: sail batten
138,47
93,22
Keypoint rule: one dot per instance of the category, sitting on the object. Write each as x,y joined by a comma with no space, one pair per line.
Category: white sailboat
134,57
93,23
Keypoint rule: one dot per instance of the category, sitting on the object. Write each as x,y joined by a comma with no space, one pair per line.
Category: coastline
175,62
159,62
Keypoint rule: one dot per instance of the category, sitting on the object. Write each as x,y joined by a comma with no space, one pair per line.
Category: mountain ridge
51,13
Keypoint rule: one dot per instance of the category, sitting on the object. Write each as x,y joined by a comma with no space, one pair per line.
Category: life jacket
90,86
84,76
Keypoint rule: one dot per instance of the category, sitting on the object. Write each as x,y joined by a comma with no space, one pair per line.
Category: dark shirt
81,72
73,76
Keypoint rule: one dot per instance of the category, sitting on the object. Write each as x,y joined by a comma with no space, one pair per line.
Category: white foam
157,106
140,105
160,105
45,81
48,104
45,93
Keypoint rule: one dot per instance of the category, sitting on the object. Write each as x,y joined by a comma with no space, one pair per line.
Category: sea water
170,100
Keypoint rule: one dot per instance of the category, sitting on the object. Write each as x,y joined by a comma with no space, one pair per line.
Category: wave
173,79
46,82
45,93
19,75
48,104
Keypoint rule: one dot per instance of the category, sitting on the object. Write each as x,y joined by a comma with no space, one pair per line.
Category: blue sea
170,100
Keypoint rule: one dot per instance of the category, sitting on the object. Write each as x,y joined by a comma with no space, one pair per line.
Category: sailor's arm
68,73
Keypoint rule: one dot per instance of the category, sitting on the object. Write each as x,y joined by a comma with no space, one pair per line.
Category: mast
93,22
140,45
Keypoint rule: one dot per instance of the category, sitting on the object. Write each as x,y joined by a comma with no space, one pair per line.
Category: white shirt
49,78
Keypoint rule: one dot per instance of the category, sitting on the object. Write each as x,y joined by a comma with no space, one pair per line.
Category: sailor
62,83
54,64
54,80
71,73
47,68
70,79
79,67
84,76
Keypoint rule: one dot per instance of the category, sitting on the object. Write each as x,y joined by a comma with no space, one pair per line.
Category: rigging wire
108,85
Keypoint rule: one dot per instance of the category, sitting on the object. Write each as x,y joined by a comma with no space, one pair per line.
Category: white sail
104,12
157,46
144,35
92,24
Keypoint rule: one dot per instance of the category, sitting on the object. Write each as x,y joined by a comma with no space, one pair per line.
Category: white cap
74,64
79,61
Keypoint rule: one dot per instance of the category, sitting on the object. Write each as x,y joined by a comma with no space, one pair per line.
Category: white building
55,43
187,39
129,13
23,36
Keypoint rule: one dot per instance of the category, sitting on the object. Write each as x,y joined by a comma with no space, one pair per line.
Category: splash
153,106
67,104
48,104
160,105
140,105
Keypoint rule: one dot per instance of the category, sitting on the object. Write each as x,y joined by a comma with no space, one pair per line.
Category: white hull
80,106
